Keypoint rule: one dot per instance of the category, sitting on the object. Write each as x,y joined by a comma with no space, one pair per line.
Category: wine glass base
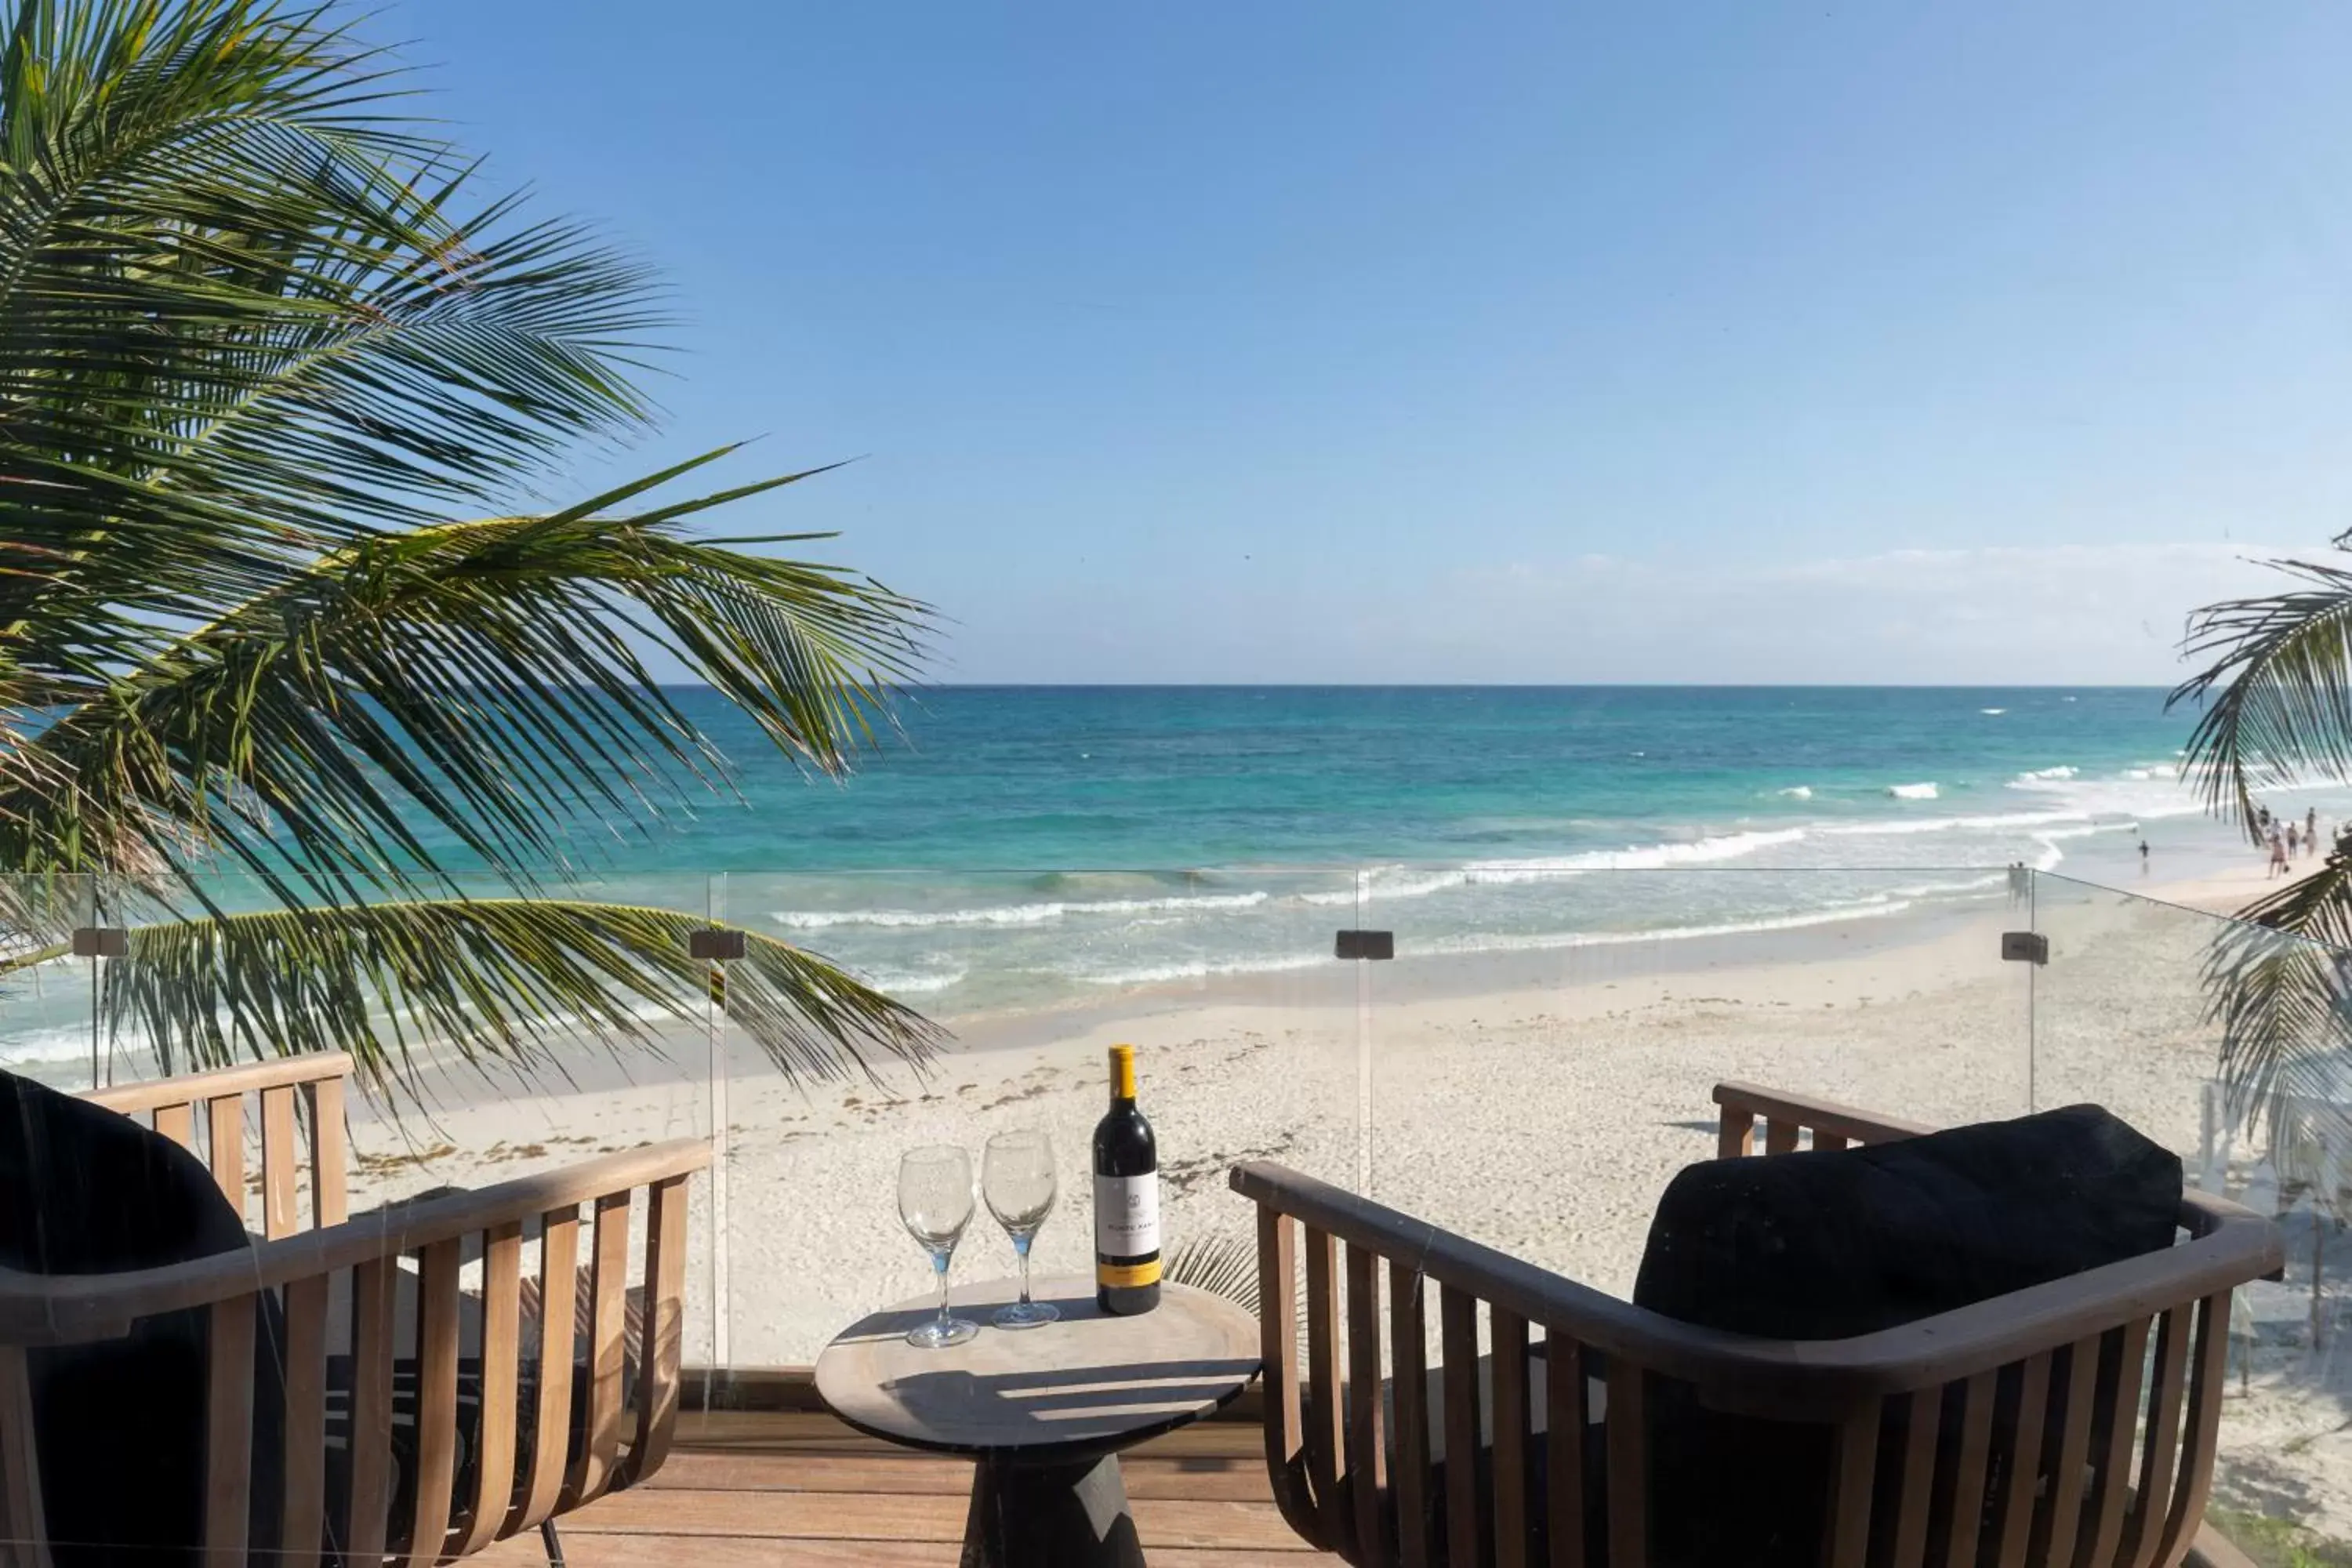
1026,1315
936,1335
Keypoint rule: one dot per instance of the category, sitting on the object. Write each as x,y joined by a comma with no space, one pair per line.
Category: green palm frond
494,981
246,313
1222,1265
2278,693
485,675
2278,981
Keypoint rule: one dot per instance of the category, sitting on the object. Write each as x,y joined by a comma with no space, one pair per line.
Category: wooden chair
1923,1419
425,1505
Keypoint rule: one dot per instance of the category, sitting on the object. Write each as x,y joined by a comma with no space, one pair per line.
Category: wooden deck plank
798,1489
1209,1478
582,1550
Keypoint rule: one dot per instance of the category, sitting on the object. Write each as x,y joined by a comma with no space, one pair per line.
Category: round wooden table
1045,1411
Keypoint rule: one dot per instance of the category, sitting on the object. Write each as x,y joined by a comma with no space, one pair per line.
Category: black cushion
119,1423
1825,1246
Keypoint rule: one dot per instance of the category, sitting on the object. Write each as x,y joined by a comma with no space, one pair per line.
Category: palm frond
248,313
493,983
489,677
2278,693
1222,1265
2278,982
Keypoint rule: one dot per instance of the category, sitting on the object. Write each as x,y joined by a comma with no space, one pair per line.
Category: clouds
2066,614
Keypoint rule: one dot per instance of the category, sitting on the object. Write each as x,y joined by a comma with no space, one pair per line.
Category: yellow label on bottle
1126,1276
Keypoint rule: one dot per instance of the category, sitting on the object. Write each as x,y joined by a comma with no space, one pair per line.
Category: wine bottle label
1125,1275
1126,1215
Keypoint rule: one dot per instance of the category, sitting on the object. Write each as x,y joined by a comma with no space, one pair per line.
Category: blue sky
1303,342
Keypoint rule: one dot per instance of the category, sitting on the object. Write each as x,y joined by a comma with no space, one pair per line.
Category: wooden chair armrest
1799,1380
68,1309
245,1078
1824,1115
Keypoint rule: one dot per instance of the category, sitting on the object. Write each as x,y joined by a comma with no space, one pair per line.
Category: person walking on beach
2142,857
2278,854
2294,839
2311,825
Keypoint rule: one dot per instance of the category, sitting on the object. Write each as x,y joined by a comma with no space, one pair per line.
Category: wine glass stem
1020,1245
940,1266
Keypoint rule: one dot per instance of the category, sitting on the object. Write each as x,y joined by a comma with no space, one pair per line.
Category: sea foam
1912,790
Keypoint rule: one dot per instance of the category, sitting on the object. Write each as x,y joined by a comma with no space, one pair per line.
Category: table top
1088,1379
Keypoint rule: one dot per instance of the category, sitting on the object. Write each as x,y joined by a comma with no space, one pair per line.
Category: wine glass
1016,1176
935,1205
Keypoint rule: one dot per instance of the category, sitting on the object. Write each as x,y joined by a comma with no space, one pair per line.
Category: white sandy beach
1542,1115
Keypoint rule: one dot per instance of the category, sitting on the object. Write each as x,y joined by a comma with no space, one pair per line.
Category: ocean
1016,847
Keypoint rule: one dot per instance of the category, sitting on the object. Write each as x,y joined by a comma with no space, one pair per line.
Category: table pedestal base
1028,1515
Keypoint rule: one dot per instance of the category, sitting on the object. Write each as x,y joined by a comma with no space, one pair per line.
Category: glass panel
1244,1021
2131,1012
1546,1043
48,1004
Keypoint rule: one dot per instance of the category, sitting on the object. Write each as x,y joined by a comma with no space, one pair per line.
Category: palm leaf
404,987
2278,693
485,675
1222,1265
2278,982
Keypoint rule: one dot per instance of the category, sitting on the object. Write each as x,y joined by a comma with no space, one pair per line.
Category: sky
1315,341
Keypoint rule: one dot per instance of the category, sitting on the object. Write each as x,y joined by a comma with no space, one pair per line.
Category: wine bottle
1127,1199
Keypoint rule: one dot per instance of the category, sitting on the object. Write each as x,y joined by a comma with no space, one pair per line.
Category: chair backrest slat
1277,1330
494,1470
1737,1132
2110,1488
277,1217
436,1401
1458,1333
1972,1466
2209,1365
225,1119
328,1203
1509,1333
178,1122
368,1505
228,1428
1828,1142
1915,1482
2061,1511
1564,1421
1325,1425
2021,1458
661,1343
1409,1367
1367,1464
1853,1462
559,1262
21,1515
2145,1530
608,1293
303,1513
1780,1137
1628,1465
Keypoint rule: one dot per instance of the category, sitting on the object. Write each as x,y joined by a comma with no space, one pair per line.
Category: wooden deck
798,1489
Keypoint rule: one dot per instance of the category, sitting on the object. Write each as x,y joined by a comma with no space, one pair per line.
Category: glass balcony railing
1530,1069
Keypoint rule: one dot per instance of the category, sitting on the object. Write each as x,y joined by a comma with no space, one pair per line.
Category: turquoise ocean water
1023,843
1019,846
